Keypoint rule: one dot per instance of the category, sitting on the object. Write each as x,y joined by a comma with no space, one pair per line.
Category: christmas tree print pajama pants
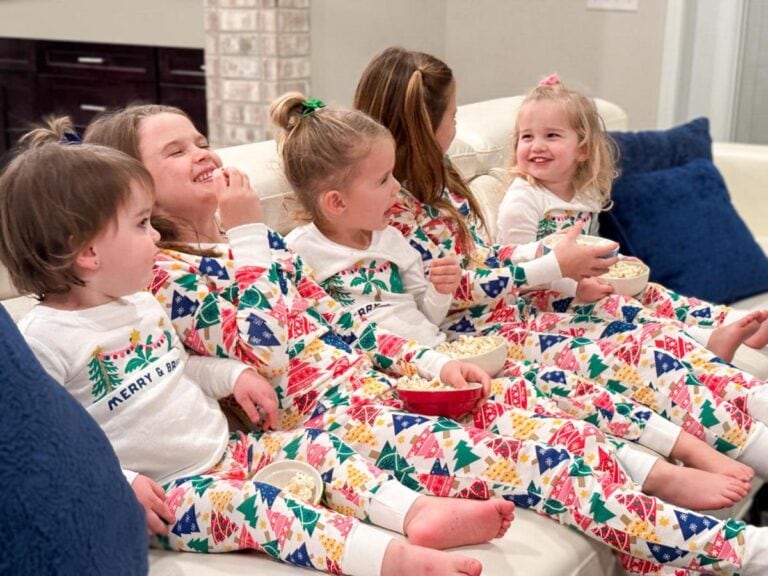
563,469
223,510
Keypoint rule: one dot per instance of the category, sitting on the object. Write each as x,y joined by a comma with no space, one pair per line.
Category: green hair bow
309,106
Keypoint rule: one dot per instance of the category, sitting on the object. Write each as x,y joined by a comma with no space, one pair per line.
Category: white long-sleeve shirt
529,212
124,363
384,282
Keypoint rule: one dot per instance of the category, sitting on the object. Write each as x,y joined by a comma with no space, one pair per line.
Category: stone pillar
255,50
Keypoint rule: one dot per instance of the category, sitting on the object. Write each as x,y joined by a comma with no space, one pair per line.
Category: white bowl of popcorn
295,479
627,277
549,243
489,353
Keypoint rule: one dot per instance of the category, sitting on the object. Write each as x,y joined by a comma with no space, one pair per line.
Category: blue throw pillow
660,149
66,507
680,221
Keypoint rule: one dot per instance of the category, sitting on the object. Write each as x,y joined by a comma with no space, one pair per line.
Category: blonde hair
55,197
408,92
119,129
594,176
321,147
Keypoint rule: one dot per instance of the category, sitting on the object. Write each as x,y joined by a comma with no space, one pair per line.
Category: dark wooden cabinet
181,82
40,77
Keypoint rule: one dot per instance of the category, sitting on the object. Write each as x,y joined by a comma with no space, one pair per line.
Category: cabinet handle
202,67
92,108
90,60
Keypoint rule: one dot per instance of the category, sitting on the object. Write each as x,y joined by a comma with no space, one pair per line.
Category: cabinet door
106,62
83,99
182,82
191,99
17,54
181,66
17,92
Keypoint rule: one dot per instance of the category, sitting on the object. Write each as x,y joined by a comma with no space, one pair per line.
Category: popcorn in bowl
296,479
416,382
301,486
627,277
489,353
465,346
625,269
551,241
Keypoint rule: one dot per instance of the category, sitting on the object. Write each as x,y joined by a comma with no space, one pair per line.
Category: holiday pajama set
257,303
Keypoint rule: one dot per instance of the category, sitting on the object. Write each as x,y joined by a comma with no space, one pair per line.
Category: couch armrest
745,169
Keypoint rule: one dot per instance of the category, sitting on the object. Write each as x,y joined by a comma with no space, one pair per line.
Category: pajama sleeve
386,351
230,305
433,304
489,274
518,218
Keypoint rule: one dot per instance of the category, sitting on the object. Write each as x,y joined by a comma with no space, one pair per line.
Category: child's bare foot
725,340
696,453
694,489
760,338
447,522
403,558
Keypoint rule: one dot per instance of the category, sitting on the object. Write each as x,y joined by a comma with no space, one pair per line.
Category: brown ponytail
408,93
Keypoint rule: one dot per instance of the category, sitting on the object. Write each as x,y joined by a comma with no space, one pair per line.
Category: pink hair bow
550,80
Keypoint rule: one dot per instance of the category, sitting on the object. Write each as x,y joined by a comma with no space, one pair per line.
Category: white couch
534,545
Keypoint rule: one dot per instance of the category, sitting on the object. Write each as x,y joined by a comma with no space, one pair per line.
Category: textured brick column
255,50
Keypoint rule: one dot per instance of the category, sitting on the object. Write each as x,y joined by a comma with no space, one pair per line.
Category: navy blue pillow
66,507
660,149
680,221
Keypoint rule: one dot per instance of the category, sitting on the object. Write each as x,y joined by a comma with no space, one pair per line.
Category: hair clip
309,106
550,80
70,137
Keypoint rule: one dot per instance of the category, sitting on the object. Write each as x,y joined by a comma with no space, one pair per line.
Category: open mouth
205,176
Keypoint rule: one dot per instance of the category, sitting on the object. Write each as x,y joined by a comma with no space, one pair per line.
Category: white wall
495,47
176,23
346,34
499,47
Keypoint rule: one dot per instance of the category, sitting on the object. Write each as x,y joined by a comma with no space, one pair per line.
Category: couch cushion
673,211
533,545
660,149
66,506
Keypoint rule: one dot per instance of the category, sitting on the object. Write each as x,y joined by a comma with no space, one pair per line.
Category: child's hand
152,497
238,203
257,398
592,289
577,261
460,374
445,274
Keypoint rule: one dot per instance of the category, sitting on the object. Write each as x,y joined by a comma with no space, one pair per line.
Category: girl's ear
86,259
332,203
583,152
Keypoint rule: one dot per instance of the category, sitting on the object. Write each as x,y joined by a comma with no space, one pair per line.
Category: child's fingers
158,491
574,231
155,524
164,513
219,180
269,408
250,409
236,179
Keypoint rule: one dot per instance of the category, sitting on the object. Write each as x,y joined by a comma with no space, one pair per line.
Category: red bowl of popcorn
433,398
